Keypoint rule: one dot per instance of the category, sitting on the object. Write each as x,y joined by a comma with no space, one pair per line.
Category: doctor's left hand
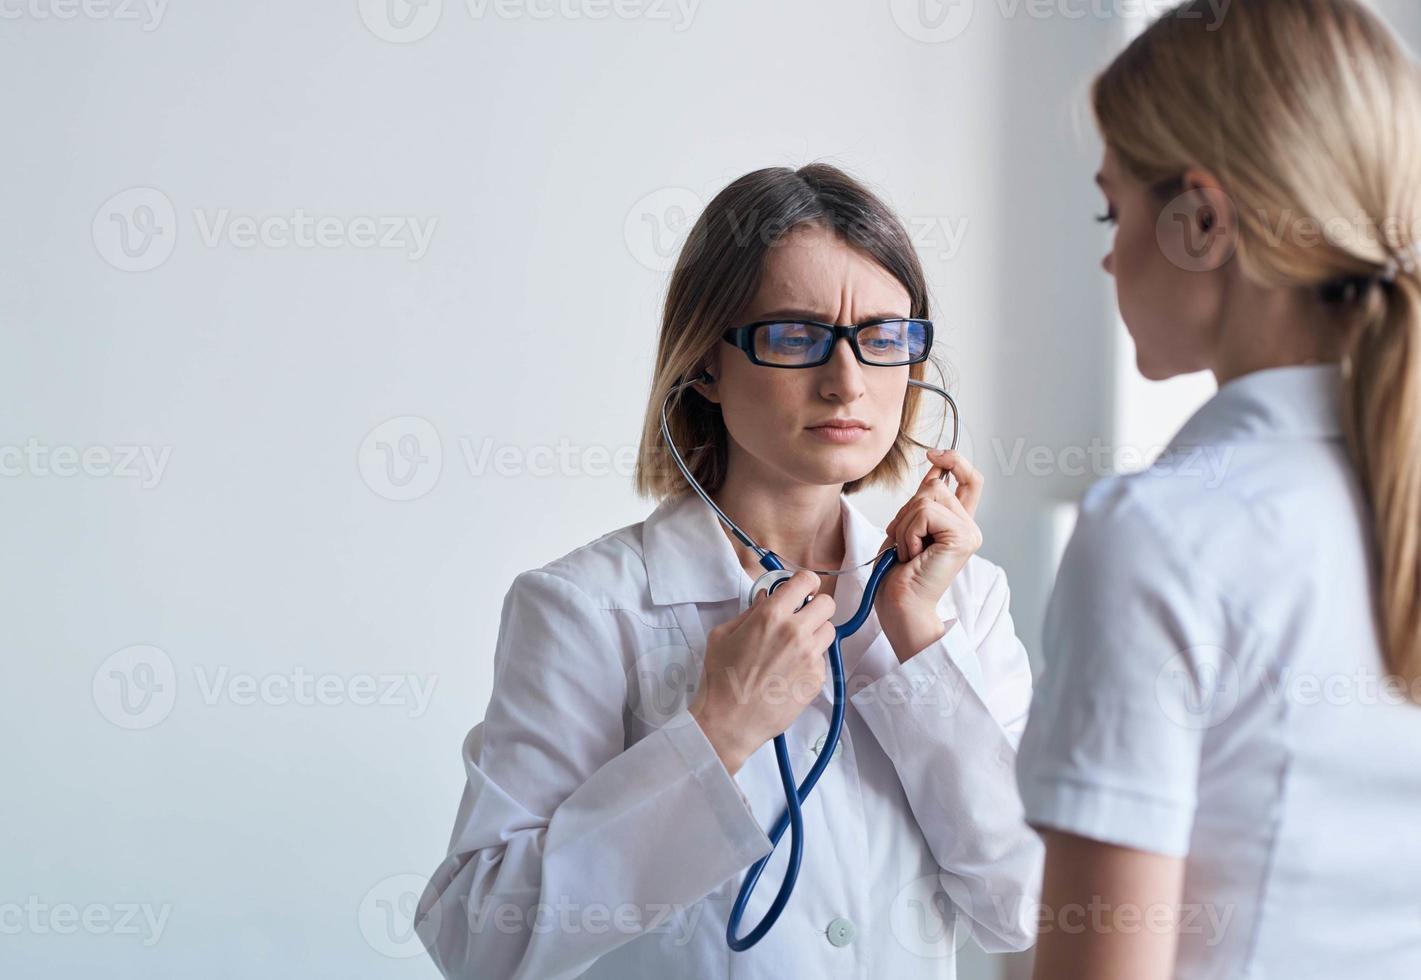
935,533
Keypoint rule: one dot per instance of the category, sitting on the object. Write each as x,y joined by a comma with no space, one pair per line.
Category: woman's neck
1267,327
800,523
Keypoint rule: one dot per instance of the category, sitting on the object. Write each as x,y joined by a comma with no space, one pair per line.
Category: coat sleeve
949,719
568,843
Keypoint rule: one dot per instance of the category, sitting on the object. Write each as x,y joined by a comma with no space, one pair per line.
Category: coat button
841,932
822,739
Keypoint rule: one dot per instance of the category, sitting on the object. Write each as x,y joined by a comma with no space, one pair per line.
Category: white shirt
600,835
1212,690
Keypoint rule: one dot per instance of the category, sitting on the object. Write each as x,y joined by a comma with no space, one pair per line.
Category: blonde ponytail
1381,409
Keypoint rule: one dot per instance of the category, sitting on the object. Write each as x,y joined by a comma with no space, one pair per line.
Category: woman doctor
623,777
1221,752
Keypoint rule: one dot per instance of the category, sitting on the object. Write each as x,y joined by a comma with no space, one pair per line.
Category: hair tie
1402,260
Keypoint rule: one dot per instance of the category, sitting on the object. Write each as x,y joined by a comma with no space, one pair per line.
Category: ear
709,390
1198,229
1219,214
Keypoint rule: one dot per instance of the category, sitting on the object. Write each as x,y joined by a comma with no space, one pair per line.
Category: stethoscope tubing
795,796
792,817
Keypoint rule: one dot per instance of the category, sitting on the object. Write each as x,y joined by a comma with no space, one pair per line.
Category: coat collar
689,558
1299,402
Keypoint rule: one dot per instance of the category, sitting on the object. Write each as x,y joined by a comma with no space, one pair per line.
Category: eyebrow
823,317
1102,180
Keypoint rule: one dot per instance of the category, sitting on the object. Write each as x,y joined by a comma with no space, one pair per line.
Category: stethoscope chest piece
767,583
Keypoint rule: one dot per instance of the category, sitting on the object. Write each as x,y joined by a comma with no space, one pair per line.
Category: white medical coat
599,834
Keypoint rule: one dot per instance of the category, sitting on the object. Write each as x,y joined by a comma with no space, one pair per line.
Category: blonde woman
614,801
1222,750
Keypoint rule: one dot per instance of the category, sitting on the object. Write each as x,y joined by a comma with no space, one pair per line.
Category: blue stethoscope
775,575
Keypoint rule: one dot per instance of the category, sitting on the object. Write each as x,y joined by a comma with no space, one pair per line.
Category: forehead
812,269
1112,172
1105,172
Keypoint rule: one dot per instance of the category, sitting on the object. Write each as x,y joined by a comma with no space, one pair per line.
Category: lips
839,432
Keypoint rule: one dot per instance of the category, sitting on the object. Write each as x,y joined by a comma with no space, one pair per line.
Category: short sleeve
1112,745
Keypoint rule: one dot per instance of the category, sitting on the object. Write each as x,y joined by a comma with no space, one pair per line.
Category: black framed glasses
889,342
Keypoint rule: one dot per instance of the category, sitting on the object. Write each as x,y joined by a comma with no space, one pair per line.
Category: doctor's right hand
763,668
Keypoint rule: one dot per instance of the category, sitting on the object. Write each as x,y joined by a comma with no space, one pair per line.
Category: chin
1151,371
1155,365
824,472
1159,352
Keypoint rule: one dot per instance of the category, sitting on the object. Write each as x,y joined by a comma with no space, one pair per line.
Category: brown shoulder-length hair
716,276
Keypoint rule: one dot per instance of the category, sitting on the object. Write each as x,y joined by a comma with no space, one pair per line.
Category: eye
1109,217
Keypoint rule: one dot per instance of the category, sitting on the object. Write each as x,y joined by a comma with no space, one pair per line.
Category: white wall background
183,797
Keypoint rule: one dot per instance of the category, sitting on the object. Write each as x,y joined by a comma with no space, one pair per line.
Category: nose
1108,263
843,375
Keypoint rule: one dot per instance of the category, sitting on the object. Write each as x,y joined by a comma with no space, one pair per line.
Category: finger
902,531
936,475
937,487
932,519
791,595
962,531
910,538
969,478
733,623
958,508
891,531
932,489
819,610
